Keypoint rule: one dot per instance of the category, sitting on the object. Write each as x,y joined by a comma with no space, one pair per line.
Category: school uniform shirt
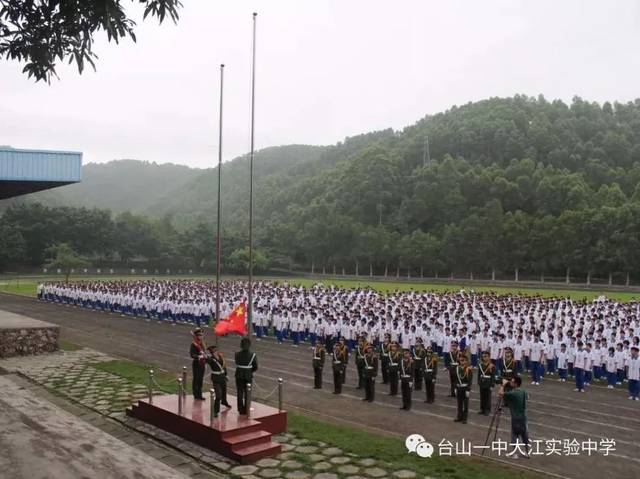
496,347
345,329
509,343
485,341
302,324
581,359
619,355
446,345
634,368
472,344
611,364
331,330
550,351
406,340
352,331
562,357
518,348
603,356
314,326
537,348
590,356
571,354
278,322
395,333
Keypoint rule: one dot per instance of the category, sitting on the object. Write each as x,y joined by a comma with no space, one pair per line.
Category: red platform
240,438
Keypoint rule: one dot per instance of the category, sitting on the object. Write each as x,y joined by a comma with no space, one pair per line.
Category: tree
238,261
65,258
45,32
12,247
199,244
513,247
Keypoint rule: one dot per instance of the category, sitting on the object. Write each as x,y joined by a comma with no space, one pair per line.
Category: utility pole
426,155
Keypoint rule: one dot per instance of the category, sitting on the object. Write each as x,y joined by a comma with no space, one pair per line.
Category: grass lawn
393,451
139,373
28,288
22,288
389,450
67,346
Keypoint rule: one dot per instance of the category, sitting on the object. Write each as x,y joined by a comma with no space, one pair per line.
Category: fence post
280,391
180,396
150,386
184,381
248,399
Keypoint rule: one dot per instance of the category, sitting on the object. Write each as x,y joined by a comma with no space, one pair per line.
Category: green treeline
506,184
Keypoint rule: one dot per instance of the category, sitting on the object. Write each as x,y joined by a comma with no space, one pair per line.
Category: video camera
500,381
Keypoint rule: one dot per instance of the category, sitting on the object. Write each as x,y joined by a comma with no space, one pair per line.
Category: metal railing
153,386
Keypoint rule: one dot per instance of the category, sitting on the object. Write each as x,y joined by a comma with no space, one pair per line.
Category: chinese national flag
235,323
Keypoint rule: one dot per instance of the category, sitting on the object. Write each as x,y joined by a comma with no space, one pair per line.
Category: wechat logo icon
416,443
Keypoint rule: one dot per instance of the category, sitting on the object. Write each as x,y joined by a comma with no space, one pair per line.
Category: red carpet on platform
240,438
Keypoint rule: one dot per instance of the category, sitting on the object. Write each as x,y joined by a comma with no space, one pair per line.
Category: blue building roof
26,171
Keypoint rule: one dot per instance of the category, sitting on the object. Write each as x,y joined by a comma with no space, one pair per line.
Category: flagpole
218,255
253,111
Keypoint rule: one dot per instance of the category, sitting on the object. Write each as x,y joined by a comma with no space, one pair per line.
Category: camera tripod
495,423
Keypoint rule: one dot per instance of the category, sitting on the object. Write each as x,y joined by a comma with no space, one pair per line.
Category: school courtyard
579,435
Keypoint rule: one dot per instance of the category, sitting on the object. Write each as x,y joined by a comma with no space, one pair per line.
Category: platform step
249,454
248,438
242,430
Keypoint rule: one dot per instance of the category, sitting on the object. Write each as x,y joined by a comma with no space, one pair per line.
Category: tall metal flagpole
253,116
218,255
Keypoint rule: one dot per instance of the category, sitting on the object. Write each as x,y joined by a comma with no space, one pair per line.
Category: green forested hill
120,185
507,184
196,199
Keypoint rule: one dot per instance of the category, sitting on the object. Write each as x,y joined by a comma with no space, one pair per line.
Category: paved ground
44,437
556,412
13,321
74,375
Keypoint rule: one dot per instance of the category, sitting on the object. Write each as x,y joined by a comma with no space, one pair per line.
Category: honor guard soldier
430,371
407,368
360,352
418,363
246,365
370,371
385,349
463,377
318,363
394,365
452,364
486,381
345,355
196,351
509,370
218,365
338,363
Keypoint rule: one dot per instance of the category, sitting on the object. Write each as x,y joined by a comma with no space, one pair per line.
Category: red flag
235,323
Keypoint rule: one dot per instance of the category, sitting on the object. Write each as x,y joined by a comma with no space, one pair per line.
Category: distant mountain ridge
157,189
520,184
119,185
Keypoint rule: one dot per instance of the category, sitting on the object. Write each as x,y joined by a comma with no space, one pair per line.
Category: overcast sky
325,70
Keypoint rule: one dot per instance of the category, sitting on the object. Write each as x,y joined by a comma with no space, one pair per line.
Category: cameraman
516,400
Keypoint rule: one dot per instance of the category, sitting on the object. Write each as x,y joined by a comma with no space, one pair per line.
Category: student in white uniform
633,373
611,369
561,357
579,367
